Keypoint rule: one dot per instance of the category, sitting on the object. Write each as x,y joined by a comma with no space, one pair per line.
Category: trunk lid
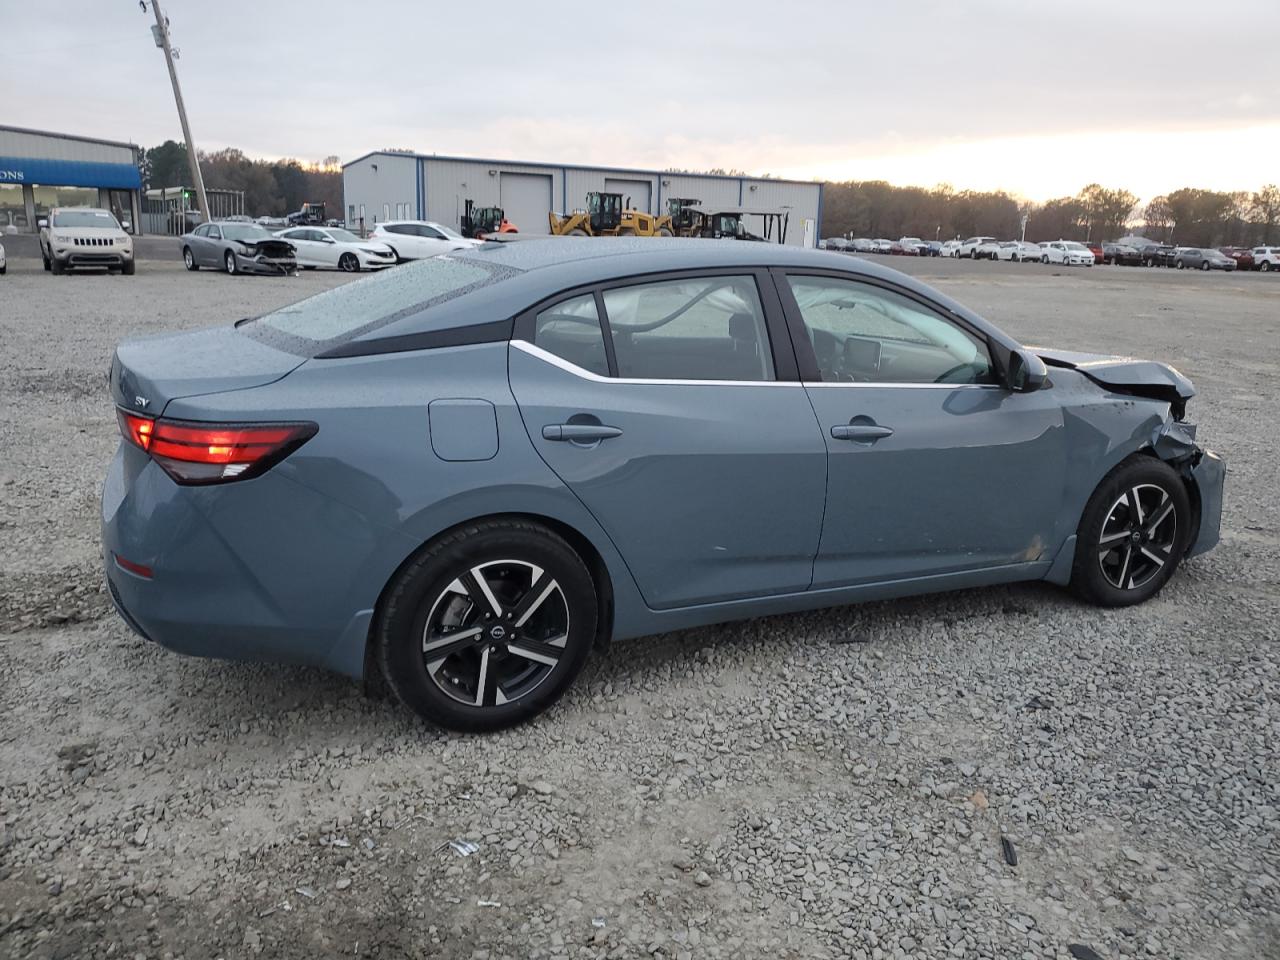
149,372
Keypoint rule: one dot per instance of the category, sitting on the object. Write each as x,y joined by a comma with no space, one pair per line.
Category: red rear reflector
135,568
193,453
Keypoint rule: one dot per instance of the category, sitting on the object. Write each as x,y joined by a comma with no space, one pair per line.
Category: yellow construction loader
606,216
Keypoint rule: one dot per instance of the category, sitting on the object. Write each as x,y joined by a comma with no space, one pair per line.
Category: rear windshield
322,322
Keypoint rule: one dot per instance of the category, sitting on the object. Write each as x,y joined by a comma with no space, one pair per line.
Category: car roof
541,268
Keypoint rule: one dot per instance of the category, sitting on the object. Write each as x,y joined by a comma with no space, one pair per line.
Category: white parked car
414,239
979,248
950,248
337,249
838,244
1020,251
1266,259
881,246
1067,252
3,265
862,245
914,246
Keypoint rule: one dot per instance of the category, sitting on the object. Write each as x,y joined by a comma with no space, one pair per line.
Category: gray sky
1034,97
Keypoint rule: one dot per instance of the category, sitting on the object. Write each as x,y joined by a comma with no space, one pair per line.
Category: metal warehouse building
406,186
40,170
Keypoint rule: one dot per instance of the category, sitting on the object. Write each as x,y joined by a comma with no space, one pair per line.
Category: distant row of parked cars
239,245
1127,251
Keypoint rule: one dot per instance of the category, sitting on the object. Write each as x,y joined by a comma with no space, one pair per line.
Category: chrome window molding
535,351
545,355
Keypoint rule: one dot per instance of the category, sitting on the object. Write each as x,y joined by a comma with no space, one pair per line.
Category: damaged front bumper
274,266
1205,474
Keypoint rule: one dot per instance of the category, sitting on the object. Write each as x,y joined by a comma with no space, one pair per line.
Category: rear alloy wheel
229,262
1044,259
1182,265
349,263
1266,266
189,259
489,626
1133,534
1204,264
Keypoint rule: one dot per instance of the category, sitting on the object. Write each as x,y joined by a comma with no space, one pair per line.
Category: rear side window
705,328
571,330
321,322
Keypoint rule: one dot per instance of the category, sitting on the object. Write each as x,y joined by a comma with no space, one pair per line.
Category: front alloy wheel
1133,533
1137,537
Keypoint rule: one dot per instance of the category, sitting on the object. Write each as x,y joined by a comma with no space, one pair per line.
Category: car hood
1123,374
114,233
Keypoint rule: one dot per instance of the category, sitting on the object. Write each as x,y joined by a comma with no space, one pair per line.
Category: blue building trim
69,173
418,182
564,190
739,191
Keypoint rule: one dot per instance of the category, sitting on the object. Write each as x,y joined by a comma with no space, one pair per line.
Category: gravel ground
998,773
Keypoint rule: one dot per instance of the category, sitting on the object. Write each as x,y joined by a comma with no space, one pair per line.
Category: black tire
510,548
1045,259
1266,266
57,266
47,265
129,268
229,262
349,263
1099,564
189,259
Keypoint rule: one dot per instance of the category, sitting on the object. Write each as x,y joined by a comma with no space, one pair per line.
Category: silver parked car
237,246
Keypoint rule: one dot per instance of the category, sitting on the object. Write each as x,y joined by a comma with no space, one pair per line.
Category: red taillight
195,453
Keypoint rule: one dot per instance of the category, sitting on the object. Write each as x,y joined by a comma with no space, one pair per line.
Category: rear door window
701,328
571,330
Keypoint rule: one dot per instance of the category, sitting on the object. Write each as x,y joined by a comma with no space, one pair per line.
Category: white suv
1266,259
1067,252
85,237
979,248
414,239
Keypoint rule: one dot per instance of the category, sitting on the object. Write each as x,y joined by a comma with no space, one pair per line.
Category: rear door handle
579,432
861,432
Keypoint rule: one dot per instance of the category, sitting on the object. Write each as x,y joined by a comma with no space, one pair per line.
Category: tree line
1189,217
271,187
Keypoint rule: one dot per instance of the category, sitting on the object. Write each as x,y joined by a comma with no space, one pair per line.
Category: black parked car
1121,253
1158,255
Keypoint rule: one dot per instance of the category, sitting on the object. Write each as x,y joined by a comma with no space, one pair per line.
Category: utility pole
161,32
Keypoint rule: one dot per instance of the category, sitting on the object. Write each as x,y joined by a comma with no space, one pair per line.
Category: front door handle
580,432
860,432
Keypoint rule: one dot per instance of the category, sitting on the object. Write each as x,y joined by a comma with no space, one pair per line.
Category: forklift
477,222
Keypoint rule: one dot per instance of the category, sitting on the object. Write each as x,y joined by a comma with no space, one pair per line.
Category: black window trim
785,369
807,361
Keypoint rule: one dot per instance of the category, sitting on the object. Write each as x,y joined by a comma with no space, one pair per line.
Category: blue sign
69,173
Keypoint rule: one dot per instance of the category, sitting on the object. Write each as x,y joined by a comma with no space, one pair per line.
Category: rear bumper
264,569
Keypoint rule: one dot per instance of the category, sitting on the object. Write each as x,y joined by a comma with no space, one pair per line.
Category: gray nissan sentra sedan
470,471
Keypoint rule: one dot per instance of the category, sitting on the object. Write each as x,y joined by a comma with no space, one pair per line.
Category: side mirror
42,224
127,225
1027,372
